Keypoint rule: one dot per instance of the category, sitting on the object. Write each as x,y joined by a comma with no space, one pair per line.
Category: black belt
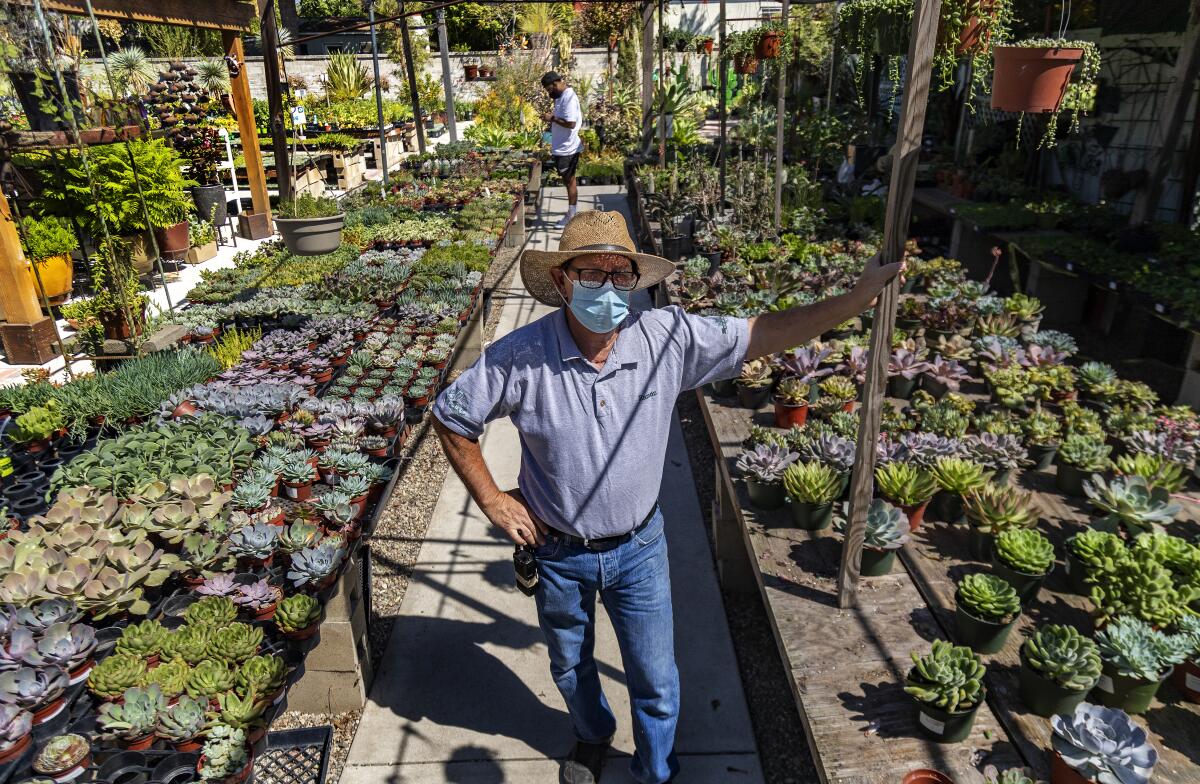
608,542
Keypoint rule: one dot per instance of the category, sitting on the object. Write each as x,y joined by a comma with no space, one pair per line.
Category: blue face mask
600,310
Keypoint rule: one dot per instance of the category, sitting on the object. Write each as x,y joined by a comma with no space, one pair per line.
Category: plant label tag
931,724
291,492
1191,681
487,193
1105,684
1112,284
1067,565
1070,267
1159,308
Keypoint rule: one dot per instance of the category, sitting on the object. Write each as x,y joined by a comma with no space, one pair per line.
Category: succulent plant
221,584
811,483
994,508
1062,655
904,484
805,363
765,463
1103,745
141,639
264,675
1010,776
212,611
1129,502
887,526
755,374
254,541
183,721
40,616
297,612
996,451
946,371
988,597
235,642
1094,376
958,475
15,724
135,716
170,676
114,674
1188,628
209,678
223,754
926,449
830,449
1099,551
66,645
32,687
189,642
1042,428
906,363
312,565
251,495
1155,469
257,596
241,712
298,535
1135,649
838,389
1084,452
1024,550
950,677
1138,585
792,392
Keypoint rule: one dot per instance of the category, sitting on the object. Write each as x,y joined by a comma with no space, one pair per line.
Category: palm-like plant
132,70
212,75
345,79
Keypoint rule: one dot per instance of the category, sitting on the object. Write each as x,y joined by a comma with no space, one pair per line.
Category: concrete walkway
464,693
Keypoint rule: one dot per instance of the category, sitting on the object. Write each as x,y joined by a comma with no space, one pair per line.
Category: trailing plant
1061,654
308,206
950,677
988,597
1083,83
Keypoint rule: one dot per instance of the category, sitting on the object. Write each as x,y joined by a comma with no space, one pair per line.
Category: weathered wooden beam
271,72
243,109
411,74
231,15
780,114
1169,127
647,67
905,155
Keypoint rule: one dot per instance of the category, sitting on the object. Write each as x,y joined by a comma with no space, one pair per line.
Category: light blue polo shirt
593,442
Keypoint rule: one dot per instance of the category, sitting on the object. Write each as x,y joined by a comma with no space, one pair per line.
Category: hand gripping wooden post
895,233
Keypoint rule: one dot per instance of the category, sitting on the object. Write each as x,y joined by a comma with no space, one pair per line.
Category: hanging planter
1032,79
769,44
704,46
310,226
891,33
745,64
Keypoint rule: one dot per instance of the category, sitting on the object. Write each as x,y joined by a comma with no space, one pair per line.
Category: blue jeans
634,583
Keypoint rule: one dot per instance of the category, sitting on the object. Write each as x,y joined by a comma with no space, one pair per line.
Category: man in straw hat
591,389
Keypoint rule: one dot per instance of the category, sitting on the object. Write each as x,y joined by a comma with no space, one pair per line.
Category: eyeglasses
591,278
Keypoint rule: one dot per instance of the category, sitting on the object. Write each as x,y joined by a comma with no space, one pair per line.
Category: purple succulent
925,449
997,353
42,615
1042,356
998,452
21,650
832,450
909,364
66,645
256,596
947,371
218,585
765,463
855,365
805,363
887,450
32,687
15,724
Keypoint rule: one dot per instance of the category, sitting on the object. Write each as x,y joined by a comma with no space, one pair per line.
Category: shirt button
602,404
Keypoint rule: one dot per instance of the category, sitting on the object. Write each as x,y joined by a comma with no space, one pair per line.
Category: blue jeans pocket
549,549
652,532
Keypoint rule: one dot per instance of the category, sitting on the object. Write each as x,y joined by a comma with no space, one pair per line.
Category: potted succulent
298,476
837,393
143,640
298,617
947,686
791,403
69,646
763,468
202,241
754,383
1059,666
63,757
1129,504
986,609
955,478
908,487
16,726
470,69
263,675
109,679
224,757
1023,557
992,509
1042,434
235,642
1079,456
315,568
48,244
904,370
740,47
1091,552
260,598
208,679
1027,311
212,611
1036,75
35,428
131,722
1095,745
254,544
38,690
243,713
886,533
1136,660
183,724
310,226
1186,677
170,676
811,489
942,376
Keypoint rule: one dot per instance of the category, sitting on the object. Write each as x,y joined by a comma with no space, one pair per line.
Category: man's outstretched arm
505,510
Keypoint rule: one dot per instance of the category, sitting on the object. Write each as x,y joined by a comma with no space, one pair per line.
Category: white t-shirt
565,141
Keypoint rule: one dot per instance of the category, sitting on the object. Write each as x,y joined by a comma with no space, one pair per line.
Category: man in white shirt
565,145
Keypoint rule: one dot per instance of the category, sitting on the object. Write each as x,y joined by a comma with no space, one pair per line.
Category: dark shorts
565,165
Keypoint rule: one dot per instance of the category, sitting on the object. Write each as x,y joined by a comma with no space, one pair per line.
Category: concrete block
327,692
166,337
344,647
347,596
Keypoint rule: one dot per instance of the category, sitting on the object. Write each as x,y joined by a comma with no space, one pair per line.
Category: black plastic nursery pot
979,544
811,517
1026,585
311,236
1069,480
1132,695
901,387
1045,697
1076,575
943,726
765,496
726,388
876,562
947,508
673,247
980,634
752,397
1043,456
934,387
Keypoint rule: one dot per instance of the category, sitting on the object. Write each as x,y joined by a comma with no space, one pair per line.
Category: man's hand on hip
510,512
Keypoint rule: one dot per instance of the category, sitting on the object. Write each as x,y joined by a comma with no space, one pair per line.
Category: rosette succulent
1127,501
904,484
950,677
263,675
1103,745
1024,550
958,475
988,597
1061,654
811,483
887,526
141,639
1137,650
765,463
211,611
312,565
221,584
114,674
66,645
40,616
183,721
255,541
224,753
241,712
1139,586
235,642
256,596
189,642
298,535
32,687
209,678
15,724
1084,452
297,612
830,449
996,451
170,676
994,508
135,716
926,449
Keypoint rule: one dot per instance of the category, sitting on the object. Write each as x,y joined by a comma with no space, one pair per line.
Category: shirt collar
567,347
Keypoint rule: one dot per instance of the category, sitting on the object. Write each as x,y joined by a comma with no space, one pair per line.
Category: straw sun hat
589,233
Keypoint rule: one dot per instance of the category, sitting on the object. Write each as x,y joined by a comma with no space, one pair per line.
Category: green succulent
211,611
959,476
183,721
297,612
1155,469
1085,452
262,674
113,675
1012,776
1024,550
141,639
950,677
135,716
994,508
235,642
887,526
209,678
811,483
1042,428
224,753
1099,551
1140,587
1129,503
838,388
170,676
241,713
189,642
988,597
1095,375
1135,649
298,535
905,484
1062,655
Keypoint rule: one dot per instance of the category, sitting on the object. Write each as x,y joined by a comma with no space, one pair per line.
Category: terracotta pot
188,745
916,514
470,72
48,711
15,750
745,64
302,634
767,47
926,776
788,416
1062,773
298,491
1031,79
139,744
1186,680
705,46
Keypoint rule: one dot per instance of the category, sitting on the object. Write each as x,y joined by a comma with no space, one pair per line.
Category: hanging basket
1032,79
975,35
745,64
891,35
768,45
705,46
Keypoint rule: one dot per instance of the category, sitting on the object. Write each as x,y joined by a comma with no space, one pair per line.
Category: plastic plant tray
299,756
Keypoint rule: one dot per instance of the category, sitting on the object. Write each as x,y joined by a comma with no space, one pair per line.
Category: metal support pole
270,41
780,114
444,46
383,161
722,86
411,67
662,86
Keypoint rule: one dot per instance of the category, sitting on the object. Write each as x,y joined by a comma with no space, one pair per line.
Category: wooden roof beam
228,15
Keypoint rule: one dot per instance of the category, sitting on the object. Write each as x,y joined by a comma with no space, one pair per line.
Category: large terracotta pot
1032,79
141,252
173,240
767,47
56,273
745,64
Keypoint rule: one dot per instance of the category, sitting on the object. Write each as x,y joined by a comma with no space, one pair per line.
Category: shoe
563,221
584,764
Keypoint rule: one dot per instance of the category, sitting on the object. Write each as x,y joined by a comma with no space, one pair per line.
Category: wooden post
780,110
410,68
662,85
447,80
1170,127
258,223
647,69
895,234
723,86
270,43
27,334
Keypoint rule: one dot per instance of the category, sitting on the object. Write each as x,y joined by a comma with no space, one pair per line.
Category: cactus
235,643
212,611
1062,655
950,677
988,597
133,718
116,673
1024,550
183,721
141,639
170,676
811,483
1103,745
209,678
296,613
